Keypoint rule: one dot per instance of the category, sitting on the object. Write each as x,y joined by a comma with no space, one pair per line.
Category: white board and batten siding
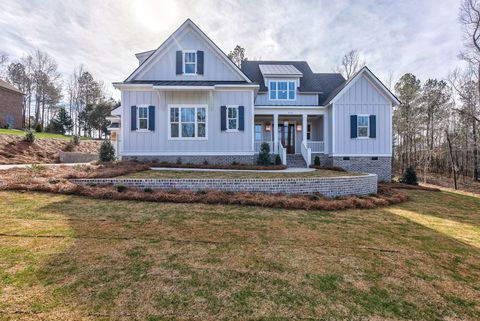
157,142
163,65
301,100
362,98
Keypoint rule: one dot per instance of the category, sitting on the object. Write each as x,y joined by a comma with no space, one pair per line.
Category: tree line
77,105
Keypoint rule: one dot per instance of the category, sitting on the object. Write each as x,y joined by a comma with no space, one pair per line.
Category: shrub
278,160
316,161
75,140
234,163
409,176
205,162
36,168
69,147
264,155
148,190
107,152
38,128
29,136
179,161
120,188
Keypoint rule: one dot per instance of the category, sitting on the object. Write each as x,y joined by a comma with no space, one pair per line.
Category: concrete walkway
288,170
5,167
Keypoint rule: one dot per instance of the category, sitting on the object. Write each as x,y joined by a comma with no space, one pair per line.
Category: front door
287,137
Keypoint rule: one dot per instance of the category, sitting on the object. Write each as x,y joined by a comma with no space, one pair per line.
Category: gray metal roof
186,82
281,70
322,83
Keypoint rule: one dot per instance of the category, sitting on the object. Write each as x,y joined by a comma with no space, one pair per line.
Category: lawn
232,174
37,135
67,257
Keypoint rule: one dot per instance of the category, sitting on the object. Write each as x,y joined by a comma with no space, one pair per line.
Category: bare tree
351,63
237,55
3,65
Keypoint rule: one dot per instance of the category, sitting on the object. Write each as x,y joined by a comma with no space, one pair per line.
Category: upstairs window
363,124
190,62
282,90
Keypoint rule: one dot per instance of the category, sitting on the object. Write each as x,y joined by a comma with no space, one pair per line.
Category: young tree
62,123
237,55
351,63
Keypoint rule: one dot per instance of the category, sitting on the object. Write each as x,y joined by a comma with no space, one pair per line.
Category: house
187,100
11,106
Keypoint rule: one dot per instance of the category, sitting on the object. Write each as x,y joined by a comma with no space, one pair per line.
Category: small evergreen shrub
179,161
120,188
409,176
316,161
29,136
38,128
148,190
205,162
264,155
75,140
278,160
107,152
69,147
36,168
234,163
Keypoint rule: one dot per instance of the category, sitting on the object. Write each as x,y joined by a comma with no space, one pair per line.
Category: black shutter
223,118
373,126
179,62
200,62
353,126
133,118
241,118
151,117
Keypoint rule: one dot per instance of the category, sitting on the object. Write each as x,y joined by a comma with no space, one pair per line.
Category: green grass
37,135
67,257
158,174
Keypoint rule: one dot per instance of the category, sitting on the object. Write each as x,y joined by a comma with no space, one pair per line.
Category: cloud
422,37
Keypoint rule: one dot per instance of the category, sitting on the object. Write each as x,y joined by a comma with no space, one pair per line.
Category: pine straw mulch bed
212,166
55,180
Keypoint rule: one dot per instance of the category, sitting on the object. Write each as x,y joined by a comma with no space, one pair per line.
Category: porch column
275,133
304,127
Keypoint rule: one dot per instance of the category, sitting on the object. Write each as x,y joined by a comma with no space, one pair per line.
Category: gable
161,65
362,91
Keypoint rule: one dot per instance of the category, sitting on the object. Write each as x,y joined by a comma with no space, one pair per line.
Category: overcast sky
399,36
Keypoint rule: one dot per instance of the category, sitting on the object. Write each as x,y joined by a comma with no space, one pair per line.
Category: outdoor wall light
268,127
299,128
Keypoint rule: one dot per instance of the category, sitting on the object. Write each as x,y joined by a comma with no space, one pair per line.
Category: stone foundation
211,160
327,186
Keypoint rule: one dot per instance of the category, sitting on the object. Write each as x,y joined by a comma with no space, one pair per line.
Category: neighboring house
11,105
187,100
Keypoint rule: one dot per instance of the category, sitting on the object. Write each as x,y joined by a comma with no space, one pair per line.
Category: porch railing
259,143
306,153
316,146
282,151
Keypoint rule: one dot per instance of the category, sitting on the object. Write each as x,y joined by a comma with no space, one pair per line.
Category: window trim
138,118
184,63
227,118
368,126
288,81
180,106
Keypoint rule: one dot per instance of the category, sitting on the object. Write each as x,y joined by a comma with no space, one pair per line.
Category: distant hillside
13,150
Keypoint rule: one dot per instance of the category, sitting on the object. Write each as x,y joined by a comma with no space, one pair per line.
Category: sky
423,37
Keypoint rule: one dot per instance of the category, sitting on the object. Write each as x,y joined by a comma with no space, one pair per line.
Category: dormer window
282,90
189,62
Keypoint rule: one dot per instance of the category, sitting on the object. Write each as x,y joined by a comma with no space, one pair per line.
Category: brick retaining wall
327,186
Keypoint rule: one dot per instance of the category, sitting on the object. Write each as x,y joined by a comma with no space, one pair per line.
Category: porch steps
295,160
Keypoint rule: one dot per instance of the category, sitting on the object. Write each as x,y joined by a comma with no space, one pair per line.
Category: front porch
300,134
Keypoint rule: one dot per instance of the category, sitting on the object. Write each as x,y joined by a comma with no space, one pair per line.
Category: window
188,122
189,62
142,118
282,90
258,132
362,126
232,118
309,131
